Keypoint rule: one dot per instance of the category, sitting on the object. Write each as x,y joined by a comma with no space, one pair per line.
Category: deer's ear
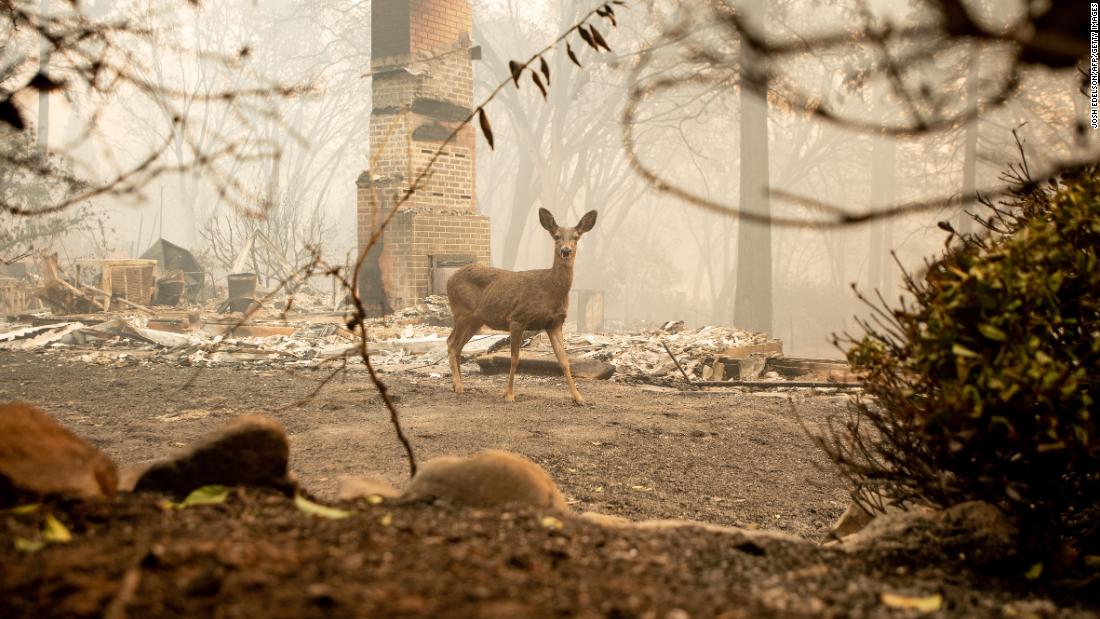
587,222
547,221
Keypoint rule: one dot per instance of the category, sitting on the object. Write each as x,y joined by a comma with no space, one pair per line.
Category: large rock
39,457
489,478
249,451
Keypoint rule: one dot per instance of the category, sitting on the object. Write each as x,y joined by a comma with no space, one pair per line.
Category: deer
517,301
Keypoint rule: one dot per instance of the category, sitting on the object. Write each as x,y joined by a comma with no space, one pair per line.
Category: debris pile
402,341
642,356
242,325
433,311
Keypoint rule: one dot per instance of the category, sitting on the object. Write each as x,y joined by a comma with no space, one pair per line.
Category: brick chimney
421,57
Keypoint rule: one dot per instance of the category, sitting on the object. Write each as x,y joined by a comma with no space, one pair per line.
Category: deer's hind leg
460,335
558,343
515,336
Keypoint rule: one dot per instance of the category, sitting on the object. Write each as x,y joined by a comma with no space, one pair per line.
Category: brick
434,26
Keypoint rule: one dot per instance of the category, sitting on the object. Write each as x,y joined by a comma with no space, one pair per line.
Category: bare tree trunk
524,198
752,308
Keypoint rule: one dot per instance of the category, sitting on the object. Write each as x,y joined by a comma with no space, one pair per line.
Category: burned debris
135,315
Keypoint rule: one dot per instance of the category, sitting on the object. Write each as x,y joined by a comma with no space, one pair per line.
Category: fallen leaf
922,604
20,510
28,545
206,495
1034,572
386,520
55,532
552,523
375,499
305,505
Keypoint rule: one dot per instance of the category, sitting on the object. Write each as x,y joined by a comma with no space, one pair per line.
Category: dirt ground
734,459
726,458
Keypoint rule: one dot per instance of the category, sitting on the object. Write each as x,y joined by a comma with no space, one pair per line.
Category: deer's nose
566,252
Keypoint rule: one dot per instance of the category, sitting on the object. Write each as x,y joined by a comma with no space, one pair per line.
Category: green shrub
984,385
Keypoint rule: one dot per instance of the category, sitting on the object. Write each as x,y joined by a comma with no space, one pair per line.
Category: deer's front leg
516,338
454,351
558,343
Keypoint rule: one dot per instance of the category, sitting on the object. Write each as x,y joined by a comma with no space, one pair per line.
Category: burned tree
891,54
91,61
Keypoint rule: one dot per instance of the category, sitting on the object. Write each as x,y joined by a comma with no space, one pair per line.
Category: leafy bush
984,385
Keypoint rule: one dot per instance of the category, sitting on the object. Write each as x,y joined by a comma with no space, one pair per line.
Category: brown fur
517,301
489,478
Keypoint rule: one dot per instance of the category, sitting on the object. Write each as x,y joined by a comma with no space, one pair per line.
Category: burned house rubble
133,326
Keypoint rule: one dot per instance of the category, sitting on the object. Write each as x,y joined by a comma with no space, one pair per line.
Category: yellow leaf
1034,572
305,505
206,495
374,499
922,604
552,523
21,510
386,520
28,545
55,532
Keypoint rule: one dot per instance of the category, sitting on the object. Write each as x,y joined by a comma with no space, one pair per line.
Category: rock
40,457
489,478
249,451
363,486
